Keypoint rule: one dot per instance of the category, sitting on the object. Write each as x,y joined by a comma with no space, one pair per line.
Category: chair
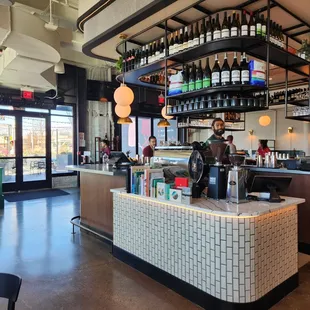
9,288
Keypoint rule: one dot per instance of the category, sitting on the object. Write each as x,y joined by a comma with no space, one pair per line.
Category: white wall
277,130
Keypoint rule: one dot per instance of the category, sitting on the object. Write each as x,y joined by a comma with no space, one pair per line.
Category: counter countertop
98,169
223,208
280,170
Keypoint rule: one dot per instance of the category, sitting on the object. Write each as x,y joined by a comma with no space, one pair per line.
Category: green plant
305,49
119,64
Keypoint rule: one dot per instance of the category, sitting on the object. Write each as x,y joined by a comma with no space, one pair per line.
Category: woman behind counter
105,147
263,148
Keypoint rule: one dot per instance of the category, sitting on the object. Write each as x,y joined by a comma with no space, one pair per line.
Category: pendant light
124,121
163,123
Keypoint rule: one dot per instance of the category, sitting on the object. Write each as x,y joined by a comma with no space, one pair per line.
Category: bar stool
9,288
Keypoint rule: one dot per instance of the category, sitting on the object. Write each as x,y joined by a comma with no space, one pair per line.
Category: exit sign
27,93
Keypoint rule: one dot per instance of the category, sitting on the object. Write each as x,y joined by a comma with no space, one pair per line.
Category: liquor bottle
258,26
146,55
229,23
196,36
206,82
185,41
272,34
162,51
192,78
171,45
264,27
209,30
234,26
244,25
199,77
225,72
185,79
217,28
252,26
132,61
176,43
238,25
202,38
150,53
181,40
225,27
235,71
157,53
216,71
142,61
282,38
191,38
137,59
245,72
278,36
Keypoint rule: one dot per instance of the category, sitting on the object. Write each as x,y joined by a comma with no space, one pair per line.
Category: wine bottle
146,54
225,27
209,30
238,25
206,75
157,53
202,38
244,25
245,72
225,72
132,62
278,35
142,60
196,36
181,40
199,77
258,26
137,59
176,43
264,27
171,45
185,41
162,49
235,71
272,34
234,26
252,26
217,28
185,79
216,71
191,38
191,84
282,38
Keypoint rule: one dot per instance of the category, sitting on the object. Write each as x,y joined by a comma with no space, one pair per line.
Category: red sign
28,95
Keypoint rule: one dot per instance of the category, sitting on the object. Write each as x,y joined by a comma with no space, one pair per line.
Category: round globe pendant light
264,120
122,111
164,115
123,95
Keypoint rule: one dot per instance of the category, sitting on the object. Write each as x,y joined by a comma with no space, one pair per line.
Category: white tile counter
235,253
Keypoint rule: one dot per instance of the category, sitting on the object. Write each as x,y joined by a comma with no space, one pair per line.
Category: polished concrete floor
64,271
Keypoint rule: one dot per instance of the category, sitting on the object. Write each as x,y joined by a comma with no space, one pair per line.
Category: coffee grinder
236,184
217,176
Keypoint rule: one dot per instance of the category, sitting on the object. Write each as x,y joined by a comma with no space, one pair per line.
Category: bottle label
216,34
206,82
215,77
225,76
234,32
225,33
185,87
252,31
196,42
198,84
171,50
259,29
191,85
244,30
142,62
245,76
190,43
235,76
264,30
202,39
185,45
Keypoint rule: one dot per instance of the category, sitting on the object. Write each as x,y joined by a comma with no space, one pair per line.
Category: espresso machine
236,183
217,176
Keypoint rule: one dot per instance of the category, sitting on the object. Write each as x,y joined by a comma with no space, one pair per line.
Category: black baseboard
304,248
199,297
109,238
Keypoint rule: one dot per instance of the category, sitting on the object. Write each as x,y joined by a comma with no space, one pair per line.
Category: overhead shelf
299,118
218,89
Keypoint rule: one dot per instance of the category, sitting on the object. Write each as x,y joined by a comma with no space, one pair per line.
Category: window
144,130
172,131
159,132
129,137
61,142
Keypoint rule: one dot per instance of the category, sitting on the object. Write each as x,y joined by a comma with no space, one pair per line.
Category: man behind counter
148,151
218,127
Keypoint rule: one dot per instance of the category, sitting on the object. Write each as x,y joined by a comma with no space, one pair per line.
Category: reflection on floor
62,271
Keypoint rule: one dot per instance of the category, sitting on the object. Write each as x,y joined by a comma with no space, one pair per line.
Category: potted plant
119,64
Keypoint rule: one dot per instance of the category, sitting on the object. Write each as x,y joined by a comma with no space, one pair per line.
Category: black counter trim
199,297
304,248
109,237
128,22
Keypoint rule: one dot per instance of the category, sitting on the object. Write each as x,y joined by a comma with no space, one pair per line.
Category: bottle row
218,101
209,30
292,94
